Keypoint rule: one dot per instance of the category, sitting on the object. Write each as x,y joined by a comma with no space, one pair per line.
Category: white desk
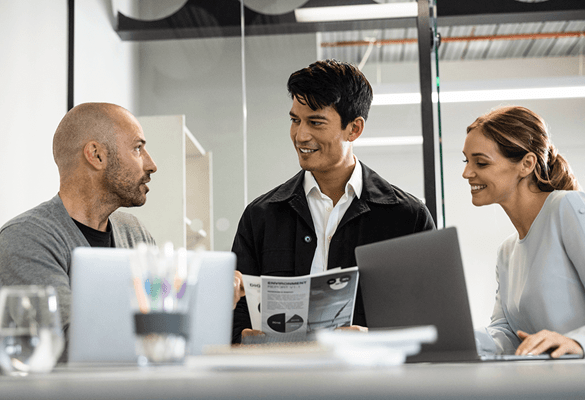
210,378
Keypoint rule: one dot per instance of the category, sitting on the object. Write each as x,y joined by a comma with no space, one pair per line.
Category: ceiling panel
488,20
488,48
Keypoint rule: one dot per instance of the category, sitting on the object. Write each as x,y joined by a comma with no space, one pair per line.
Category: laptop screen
418,280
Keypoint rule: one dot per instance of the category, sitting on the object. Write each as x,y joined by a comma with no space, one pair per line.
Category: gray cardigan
36,246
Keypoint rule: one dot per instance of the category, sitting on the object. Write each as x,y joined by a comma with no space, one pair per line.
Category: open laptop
418,280
102,329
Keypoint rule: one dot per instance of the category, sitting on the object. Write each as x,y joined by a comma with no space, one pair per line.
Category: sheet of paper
290,308
286,305
253,288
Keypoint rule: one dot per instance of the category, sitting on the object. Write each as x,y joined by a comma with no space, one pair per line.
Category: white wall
33,78
33,99
106,68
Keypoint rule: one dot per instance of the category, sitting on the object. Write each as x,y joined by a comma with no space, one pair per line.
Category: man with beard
99,149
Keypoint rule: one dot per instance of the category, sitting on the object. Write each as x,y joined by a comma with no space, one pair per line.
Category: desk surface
224,377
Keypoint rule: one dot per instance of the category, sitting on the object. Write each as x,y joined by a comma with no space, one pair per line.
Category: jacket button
582,211
308,239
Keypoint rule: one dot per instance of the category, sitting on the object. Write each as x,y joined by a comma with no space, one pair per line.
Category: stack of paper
377,347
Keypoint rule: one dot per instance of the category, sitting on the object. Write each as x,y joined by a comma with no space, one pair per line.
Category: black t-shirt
97,238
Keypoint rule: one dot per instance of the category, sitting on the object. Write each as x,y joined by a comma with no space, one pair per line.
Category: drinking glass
31,339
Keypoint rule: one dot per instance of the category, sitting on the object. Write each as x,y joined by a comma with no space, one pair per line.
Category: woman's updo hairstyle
518,131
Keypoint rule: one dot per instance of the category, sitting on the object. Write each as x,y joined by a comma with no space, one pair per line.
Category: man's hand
353,328
246,333
251,332
239,291
545,340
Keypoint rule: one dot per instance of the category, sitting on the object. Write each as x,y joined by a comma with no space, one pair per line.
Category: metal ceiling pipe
520,36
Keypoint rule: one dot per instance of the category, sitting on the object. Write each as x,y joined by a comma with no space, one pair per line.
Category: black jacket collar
375,189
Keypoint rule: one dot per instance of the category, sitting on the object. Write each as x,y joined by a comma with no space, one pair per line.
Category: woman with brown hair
540,302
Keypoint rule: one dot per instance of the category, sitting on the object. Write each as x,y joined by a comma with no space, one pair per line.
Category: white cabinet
179,205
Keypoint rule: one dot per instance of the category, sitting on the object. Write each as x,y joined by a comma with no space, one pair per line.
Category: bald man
103,164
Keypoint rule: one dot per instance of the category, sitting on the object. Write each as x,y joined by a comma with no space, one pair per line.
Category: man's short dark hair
332,83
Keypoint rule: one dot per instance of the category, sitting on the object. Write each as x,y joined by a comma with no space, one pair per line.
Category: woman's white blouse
541,277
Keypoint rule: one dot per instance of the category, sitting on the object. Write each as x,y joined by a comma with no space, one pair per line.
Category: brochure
290,308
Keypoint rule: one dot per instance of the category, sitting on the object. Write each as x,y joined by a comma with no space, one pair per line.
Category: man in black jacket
315,220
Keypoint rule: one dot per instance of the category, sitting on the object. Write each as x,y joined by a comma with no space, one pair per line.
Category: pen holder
161,337
162,283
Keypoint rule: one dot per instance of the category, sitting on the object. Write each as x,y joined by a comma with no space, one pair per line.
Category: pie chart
280,324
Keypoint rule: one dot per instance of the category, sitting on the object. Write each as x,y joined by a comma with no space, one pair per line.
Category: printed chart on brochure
297,306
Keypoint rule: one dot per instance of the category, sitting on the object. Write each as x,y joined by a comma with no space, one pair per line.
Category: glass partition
388,55
228,77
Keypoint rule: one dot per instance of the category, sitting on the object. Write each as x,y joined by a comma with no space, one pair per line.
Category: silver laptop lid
418,280
102,329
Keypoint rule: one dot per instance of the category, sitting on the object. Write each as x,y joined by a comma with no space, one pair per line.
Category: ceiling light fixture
356,12
466,96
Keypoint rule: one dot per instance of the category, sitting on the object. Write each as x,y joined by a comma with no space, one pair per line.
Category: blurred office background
202,79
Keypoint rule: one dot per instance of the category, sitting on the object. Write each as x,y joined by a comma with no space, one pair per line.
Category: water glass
31,338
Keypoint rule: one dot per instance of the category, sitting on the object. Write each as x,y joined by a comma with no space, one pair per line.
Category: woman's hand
545,340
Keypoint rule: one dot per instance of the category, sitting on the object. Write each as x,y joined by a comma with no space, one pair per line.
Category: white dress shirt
326,217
